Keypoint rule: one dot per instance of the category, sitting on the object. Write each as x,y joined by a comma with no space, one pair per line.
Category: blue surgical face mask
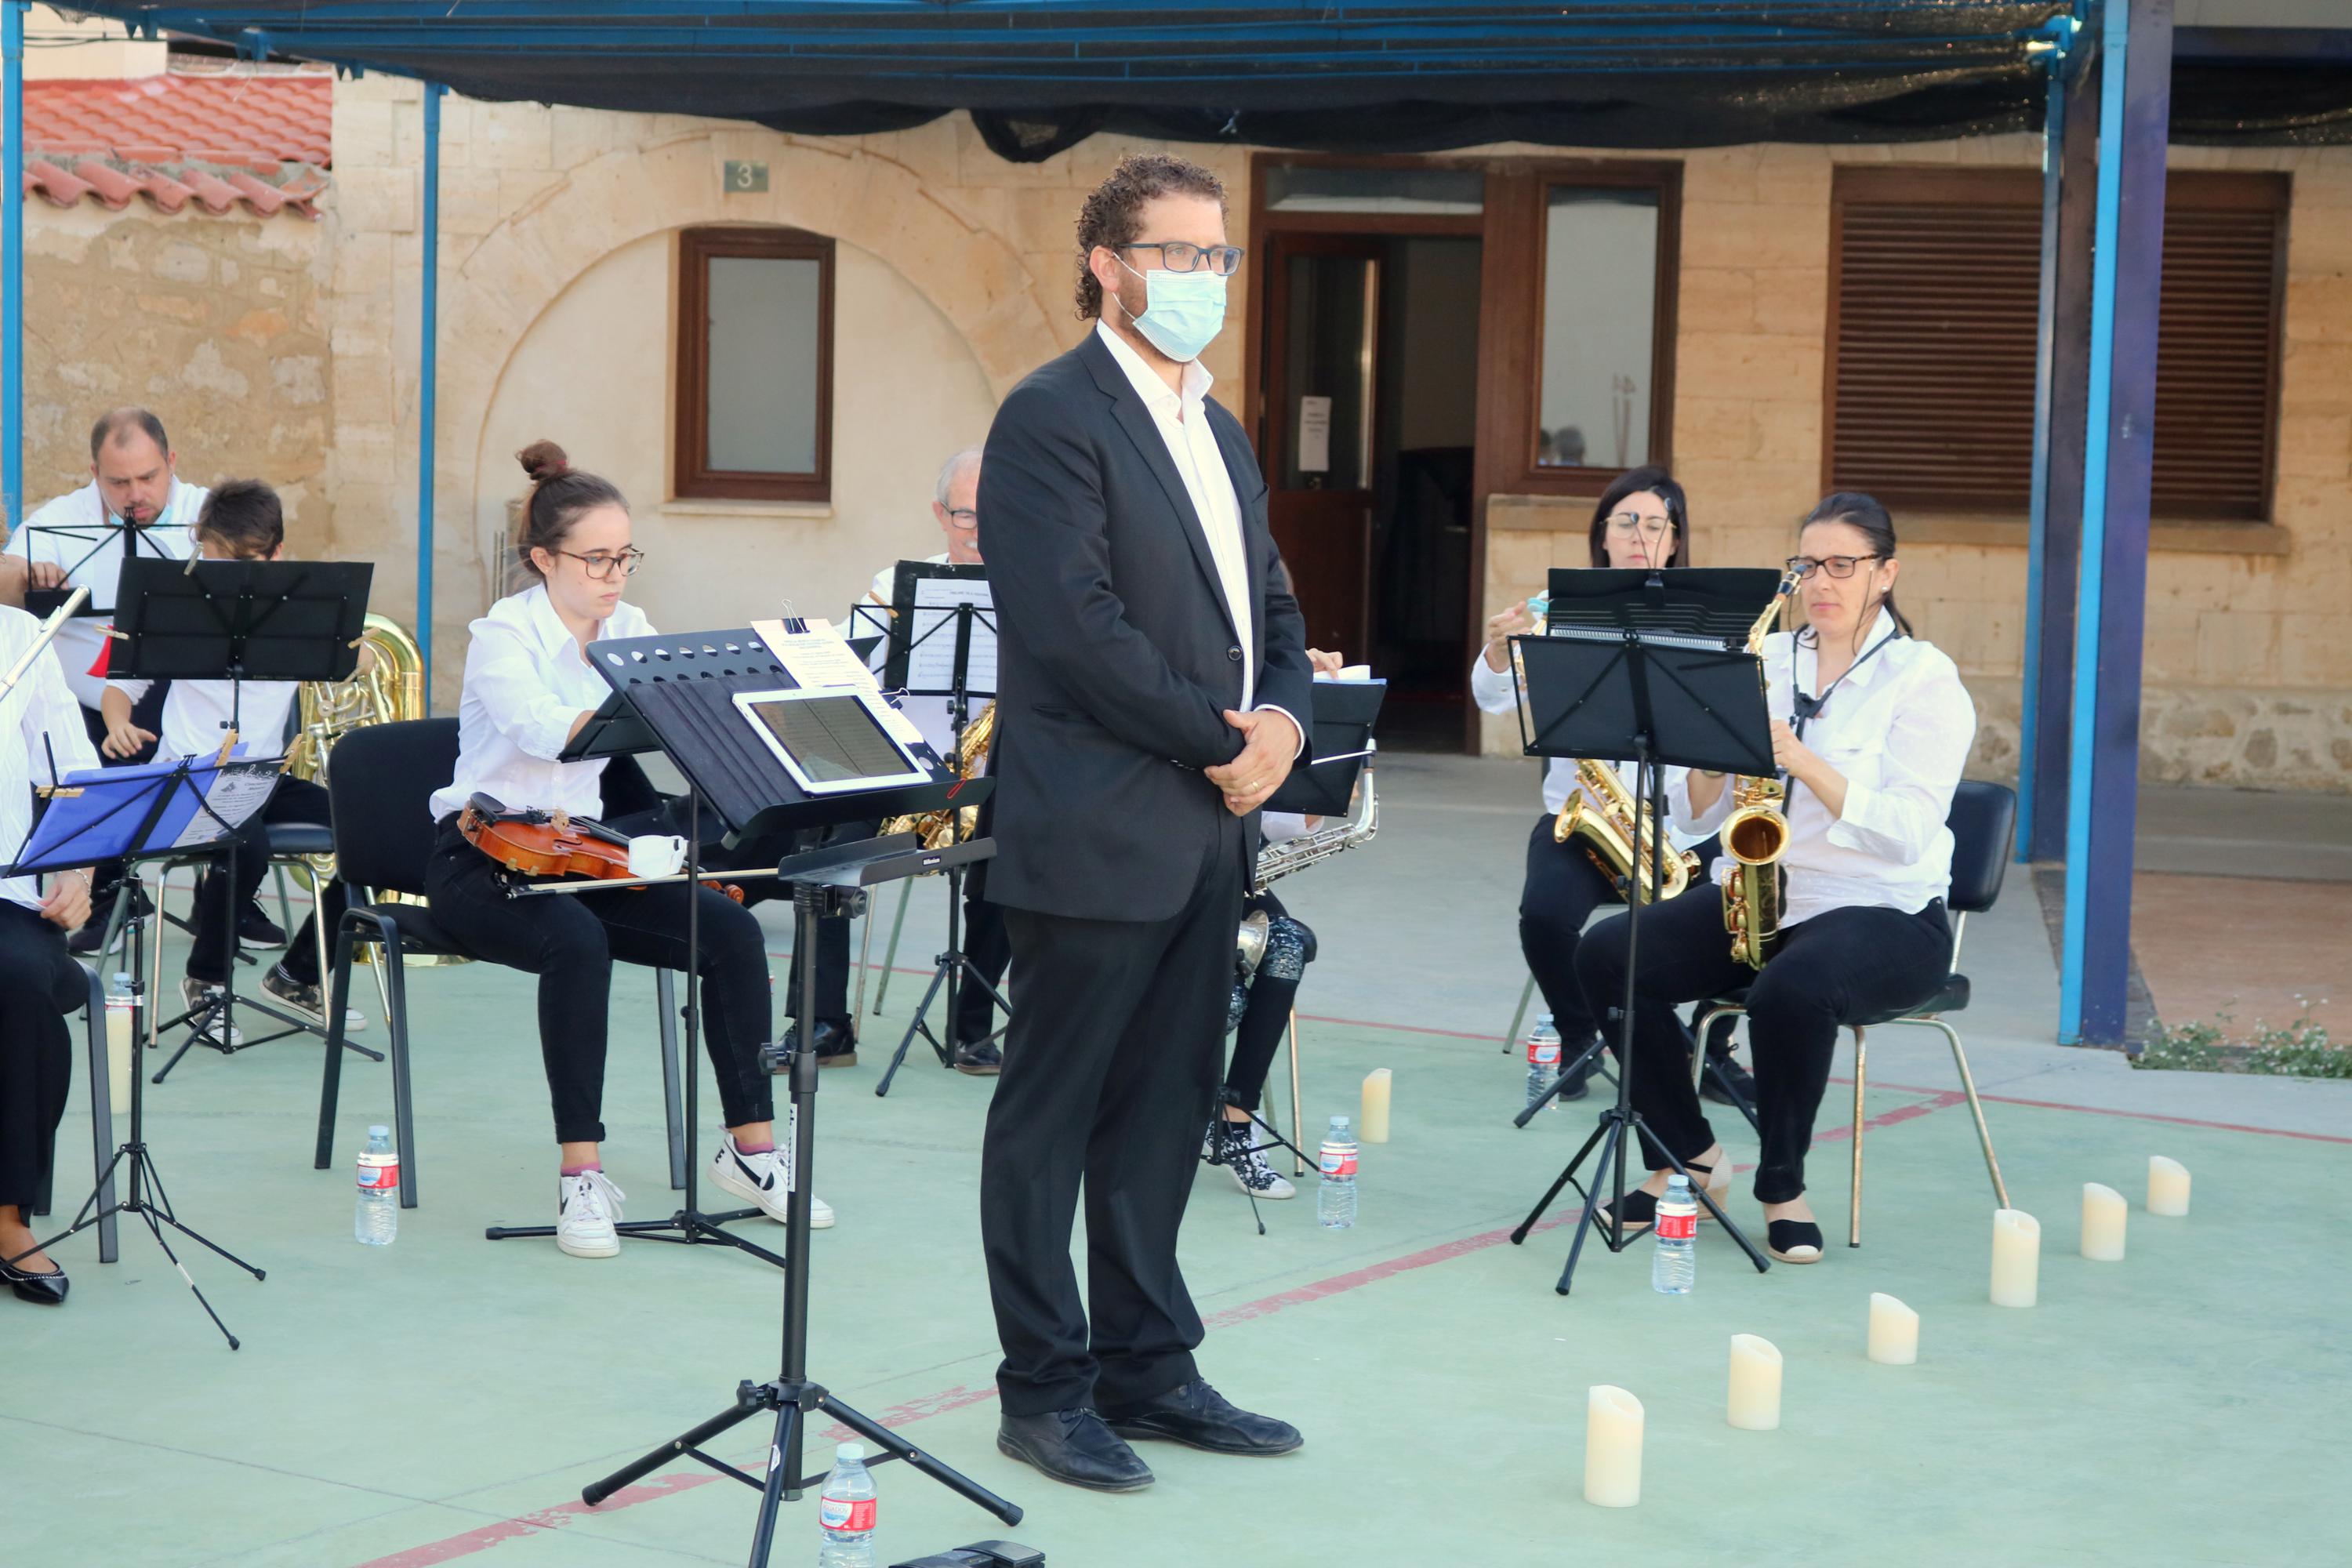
1184,311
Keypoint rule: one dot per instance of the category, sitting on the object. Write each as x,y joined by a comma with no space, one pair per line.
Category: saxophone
949,824
1756,835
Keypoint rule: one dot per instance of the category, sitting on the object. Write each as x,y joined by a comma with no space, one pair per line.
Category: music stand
674,694
150,811
828,882
1654,665
238,621
934,633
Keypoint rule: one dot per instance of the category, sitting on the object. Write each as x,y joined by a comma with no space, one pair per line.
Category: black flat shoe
41,1290
978,1058
1641,1208
1074,1446
1198,1416
1793,1240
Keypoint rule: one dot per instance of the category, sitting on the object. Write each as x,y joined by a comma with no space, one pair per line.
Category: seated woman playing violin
528,690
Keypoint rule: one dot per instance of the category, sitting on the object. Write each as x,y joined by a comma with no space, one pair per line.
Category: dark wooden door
1322,355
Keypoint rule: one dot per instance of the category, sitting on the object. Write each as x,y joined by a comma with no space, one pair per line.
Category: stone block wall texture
219,324
2249,656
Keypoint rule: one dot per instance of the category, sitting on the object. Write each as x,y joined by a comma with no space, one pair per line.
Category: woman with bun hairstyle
528,690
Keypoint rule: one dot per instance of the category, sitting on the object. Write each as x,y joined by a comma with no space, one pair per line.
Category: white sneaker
765,1181
587,1209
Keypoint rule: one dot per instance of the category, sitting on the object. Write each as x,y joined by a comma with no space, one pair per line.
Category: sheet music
872,620
820,657
237,792
931,657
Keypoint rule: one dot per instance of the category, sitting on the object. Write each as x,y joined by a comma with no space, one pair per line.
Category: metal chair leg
285,910
673,1108
1976,1107
1511,1035
403,1116
101,1115
330,1082
1853,1201
1298,1119
882,986
865,959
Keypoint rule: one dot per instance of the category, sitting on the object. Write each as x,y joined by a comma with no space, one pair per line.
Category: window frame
2013,188
692,478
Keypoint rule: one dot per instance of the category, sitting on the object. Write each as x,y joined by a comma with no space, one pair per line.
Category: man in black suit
1152,692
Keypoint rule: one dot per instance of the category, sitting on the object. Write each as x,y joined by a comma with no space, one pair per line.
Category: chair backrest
379,781
1983,820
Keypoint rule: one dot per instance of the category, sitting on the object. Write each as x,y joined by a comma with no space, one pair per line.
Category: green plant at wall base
2300,1050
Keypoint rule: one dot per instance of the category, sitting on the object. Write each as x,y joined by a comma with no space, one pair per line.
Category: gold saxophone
947,825
1755,836
1607,830
387,689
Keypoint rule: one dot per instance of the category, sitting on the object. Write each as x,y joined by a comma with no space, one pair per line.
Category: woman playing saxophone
1871,727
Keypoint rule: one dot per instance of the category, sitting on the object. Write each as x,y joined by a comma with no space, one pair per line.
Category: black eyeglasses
602,563
1177,255
1839,566
964,516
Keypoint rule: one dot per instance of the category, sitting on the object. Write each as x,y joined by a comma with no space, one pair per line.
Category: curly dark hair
1115,208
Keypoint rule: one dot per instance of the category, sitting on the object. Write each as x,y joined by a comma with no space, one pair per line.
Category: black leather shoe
981,1058
1793,1240
41,1290
1198,1416
836,1046
1074,1446
1727,1079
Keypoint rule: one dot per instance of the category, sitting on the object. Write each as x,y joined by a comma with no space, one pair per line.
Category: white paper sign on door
1314,434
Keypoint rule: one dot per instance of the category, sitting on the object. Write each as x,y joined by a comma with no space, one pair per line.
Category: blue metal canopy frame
900,62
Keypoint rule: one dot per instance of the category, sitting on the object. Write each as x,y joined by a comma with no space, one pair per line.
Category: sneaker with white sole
587,1210
197,994
1234,1145
308,1000
765,1181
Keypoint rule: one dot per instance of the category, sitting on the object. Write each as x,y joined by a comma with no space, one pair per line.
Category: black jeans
1563,887
1110,1069
1273,991
212,947
570,942
39,984
1846,964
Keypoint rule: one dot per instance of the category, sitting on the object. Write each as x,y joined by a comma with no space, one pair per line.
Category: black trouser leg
988,946
1110,1073
39,984
1845,963
1562,888
1273,992
219,905
1686,955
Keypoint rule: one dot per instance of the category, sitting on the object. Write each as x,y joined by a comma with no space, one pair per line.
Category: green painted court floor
444,1399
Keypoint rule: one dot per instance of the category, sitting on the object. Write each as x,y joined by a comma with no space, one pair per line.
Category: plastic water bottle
1676,1266
1335,1198
1543,1060
121,1050
377,1219
845,1511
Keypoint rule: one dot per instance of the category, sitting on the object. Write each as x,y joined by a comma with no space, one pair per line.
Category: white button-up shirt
1498,691
1898,728
37,718
73,532
197,713
525,683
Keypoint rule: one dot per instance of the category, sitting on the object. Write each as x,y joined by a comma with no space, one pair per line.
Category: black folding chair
1983,820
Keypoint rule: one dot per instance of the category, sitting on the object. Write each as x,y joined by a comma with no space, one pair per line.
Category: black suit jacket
1116,656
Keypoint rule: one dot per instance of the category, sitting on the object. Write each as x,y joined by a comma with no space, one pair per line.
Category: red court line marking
2125,1115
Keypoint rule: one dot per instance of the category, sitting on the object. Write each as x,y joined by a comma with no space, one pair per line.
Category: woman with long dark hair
1871,727
1641,520
528,690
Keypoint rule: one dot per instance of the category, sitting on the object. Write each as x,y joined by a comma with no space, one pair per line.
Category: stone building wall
216,322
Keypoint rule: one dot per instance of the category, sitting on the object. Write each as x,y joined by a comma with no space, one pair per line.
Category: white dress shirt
525,683
93,556
1899,729
37,718
1498,691
196,715
1183,423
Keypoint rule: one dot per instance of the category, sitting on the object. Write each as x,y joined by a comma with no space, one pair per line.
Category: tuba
1755,835
951,825
387,689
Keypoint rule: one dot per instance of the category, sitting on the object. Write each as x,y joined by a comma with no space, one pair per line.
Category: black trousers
1846,964
39,984
1271,993
570,942
212,948
1562,888
1110,1069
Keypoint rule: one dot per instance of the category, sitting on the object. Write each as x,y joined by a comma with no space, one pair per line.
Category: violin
534,843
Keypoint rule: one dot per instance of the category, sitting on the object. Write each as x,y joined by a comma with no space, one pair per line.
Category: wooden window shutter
1934,285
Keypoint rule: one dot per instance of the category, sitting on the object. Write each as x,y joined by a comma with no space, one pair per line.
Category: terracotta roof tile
258,142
